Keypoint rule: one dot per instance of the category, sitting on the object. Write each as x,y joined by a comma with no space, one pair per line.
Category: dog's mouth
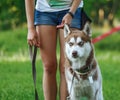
75,57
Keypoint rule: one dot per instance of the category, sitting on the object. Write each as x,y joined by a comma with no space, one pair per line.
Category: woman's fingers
34,41
30,42
32,38
60,26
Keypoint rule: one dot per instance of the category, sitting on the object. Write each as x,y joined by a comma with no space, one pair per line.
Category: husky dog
82,72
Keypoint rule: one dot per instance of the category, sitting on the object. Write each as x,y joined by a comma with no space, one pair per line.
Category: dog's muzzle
74,54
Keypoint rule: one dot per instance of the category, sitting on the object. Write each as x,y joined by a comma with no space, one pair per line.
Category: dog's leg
74,96
99,95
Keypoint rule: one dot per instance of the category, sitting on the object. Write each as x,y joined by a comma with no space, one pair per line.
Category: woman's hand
32,37
67,19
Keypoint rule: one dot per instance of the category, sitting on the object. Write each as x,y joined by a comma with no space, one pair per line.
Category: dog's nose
74,54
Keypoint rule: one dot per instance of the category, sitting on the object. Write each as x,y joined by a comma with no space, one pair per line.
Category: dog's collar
84,73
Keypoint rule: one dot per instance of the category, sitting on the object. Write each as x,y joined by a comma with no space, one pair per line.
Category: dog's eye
81,43
70,44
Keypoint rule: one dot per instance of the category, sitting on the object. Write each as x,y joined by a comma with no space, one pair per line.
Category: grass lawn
15,68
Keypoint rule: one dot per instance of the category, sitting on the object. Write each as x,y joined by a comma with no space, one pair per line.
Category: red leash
113,30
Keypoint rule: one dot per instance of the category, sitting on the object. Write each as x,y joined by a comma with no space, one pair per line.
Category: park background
15,68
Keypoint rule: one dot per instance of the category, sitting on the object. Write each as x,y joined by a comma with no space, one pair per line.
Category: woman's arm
29,5
32,34
68,18
74,6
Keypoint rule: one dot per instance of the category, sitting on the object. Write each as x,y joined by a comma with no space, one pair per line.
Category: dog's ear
66,30
87,29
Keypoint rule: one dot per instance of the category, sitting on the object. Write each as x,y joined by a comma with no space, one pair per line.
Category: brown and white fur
82,72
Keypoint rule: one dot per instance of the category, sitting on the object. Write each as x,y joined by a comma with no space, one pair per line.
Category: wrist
31,27
71,14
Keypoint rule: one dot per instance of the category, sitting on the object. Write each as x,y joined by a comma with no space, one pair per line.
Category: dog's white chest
82,87
90,79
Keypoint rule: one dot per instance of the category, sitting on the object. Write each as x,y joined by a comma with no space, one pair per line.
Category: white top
54,5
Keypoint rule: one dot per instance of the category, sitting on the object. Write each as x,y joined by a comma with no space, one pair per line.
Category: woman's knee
50,67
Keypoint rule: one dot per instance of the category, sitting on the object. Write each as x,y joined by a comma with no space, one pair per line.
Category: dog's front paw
68,98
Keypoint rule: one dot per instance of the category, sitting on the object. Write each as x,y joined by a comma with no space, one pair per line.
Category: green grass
15,81
15,68
13,41
109,63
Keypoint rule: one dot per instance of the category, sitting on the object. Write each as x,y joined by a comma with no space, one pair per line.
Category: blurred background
15,67
12,14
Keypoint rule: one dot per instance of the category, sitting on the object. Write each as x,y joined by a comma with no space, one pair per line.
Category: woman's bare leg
63,85
48,39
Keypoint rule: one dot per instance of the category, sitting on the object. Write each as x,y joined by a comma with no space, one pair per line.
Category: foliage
12,13
102,10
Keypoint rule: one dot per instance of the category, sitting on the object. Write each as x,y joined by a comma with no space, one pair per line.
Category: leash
68,97
33,53
104,35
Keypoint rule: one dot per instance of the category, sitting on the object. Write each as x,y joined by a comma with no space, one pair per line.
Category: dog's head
77,43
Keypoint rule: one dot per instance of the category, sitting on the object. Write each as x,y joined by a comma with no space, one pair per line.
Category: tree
102,10
12,13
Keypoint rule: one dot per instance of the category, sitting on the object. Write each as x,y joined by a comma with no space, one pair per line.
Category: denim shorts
55,18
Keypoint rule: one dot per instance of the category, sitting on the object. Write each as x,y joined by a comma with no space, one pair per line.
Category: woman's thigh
62,58
48,39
